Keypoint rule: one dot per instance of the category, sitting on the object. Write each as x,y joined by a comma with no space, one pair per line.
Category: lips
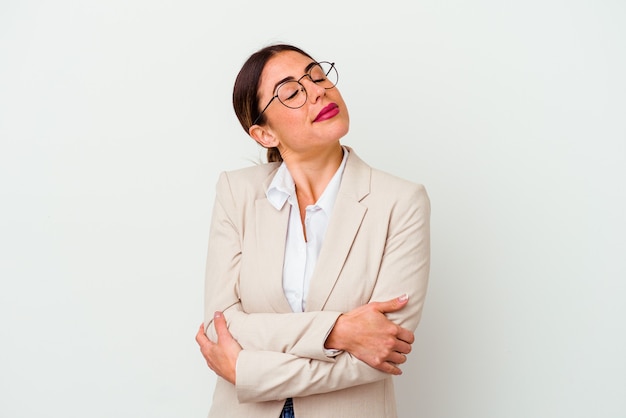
327,112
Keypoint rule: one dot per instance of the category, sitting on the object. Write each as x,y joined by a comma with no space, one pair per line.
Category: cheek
284,118
288,124
335,95
346,115
293,119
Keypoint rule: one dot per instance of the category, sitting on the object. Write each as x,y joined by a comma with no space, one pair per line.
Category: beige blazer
377,247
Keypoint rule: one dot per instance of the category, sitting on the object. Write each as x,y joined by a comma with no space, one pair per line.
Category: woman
317,264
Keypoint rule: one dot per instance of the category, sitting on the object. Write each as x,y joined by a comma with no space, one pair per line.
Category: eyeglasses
293,94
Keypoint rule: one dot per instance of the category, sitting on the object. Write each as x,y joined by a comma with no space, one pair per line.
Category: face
321,122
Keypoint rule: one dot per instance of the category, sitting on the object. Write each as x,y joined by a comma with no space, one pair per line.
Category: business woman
317,264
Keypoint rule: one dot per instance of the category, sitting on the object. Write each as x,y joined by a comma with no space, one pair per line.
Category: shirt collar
283,188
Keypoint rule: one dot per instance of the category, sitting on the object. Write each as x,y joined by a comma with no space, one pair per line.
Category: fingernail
403,298
217,314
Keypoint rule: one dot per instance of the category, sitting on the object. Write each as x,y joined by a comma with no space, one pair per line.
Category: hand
221,357
367,334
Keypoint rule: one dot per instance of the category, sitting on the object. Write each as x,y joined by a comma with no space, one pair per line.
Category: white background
115,121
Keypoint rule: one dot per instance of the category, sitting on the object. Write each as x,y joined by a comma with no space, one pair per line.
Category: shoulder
383,181
401,196
236,187
384,185
399,201
386,194
249,177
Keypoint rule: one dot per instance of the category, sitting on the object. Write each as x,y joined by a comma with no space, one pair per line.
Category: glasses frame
306,96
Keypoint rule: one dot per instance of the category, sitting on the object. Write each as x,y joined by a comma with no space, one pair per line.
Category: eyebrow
290,78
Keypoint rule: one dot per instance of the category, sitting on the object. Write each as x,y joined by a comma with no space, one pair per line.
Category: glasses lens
324,74
291,94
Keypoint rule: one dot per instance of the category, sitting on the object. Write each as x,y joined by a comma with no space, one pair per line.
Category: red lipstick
327,112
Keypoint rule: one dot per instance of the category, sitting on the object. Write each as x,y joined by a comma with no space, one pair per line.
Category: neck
312,174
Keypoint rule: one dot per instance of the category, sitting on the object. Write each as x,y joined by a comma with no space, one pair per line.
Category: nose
314,90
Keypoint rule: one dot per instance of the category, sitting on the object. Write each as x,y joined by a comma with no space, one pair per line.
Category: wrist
334,340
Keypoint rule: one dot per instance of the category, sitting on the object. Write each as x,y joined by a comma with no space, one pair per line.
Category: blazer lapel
343,227
271,235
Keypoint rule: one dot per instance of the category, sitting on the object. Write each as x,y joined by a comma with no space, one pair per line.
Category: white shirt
300,255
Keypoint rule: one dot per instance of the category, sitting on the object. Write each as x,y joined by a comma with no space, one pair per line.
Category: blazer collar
344,224
345,221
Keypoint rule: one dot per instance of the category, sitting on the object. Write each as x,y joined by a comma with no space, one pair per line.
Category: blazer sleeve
267,375
405,265
301,334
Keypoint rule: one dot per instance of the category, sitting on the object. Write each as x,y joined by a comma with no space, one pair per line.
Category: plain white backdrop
116,119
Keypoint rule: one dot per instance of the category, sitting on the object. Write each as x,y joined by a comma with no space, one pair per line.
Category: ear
263,136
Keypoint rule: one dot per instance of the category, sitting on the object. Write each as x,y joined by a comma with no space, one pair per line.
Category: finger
393,305
220,327
397,358
402,347
405,335
389,368
201,337
200,333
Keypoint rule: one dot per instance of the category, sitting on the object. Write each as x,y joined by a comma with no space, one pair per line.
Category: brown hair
245,91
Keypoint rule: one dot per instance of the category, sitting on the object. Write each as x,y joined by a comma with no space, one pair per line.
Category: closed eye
294,94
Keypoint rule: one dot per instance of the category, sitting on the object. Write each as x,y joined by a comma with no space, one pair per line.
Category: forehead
280,66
